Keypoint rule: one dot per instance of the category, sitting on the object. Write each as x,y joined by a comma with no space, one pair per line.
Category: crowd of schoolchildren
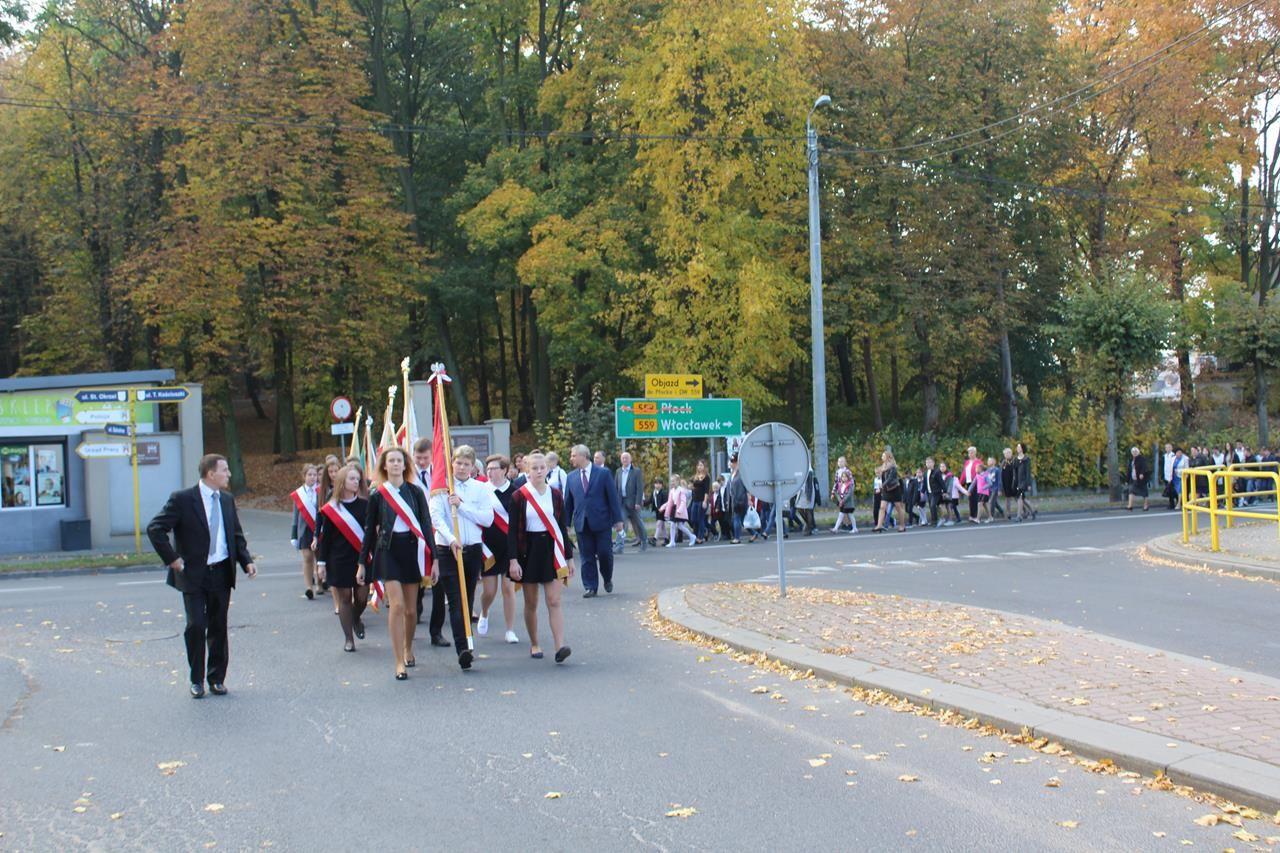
703,508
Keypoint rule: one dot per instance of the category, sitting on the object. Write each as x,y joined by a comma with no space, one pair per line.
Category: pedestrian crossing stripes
812,571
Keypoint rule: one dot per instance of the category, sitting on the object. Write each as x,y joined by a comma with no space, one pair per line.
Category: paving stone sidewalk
1046,663
1258,541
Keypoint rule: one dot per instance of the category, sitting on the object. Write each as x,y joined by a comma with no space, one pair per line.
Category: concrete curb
1242,780
1171,548
64,573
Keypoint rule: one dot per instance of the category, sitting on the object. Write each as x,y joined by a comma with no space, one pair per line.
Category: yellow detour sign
669,385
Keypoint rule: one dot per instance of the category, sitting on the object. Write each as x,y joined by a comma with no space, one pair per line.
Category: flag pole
438,370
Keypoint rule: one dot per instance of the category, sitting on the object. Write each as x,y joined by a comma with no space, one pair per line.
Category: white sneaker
482,627
669,545
512,638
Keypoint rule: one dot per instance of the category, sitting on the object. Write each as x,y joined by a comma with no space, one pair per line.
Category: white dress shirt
533,521
474,513
626,476
556,478
218,550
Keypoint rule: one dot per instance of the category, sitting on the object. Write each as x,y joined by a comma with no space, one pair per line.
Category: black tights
351,605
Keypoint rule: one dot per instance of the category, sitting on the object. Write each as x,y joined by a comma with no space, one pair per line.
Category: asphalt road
320,750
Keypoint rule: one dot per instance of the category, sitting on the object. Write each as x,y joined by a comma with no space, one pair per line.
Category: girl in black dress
496,468
341,530
394,548
540,557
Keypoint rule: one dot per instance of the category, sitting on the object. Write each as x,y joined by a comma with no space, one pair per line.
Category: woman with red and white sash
495,576
397,545
303,532
340,541
541,554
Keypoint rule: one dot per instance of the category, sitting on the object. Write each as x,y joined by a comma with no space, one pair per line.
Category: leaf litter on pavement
878,698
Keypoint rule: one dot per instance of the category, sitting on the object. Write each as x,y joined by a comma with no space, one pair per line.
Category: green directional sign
644,418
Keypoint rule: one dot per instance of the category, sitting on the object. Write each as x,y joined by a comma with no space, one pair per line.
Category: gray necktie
215,525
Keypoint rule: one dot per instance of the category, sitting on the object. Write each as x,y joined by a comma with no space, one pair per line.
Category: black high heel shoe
411,663
402,676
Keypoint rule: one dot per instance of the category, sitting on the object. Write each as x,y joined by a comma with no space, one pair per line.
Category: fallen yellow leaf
80,810
817,762
760,689
168,768
1068,824
214,807
551,795
117,815
683,811
1244,835
1207,820
809,708
908,778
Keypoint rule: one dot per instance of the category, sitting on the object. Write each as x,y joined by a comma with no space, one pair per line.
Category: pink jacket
677,505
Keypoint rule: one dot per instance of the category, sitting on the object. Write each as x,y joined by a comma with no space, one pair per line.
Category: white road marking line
139,583
1085,548
939,559
1016,554
903,563
1051,551
32,589
980,557
823,569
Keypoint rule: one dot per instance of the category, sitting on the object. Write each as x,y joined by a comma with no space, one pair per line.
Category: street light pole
820,450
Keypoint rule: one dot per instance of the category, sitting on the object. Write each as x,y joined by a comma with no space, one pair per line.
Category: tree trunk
895,408
251,385
482,374
1113,449
231,436
928,382
282,365
502,364
873,395
1177,290
1261,389
845,359
1008,398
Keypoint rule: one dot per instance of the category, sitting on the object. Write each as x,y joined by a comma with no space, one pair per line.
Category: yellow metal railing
1220,486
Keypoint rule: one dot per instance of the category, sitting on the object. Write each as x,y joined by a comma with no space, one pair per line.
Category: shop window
33,475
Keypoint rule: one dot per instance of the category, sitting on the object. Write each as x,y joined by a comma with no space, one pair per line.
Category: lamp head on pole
822,101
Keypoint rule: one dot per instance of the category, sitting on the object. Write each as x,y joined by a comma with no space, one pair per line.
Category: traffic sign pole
133,455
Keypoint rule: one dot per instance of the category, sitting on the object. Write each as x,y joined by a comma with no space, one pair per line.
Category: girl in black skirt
341,527
393,548
540,557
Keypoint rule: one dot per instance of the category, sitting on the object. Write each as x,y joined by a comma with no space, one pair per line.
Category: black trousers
436,622
207,626
934,498
473,565
973,500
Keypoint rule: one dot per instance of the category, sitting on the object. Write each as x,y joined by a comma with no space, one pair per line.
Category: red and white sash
397,503
557,539
305,505
346,524
502,522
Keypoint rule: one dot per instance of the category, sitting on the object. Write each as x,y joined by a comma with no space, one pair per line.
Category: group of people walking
381,542
1140,475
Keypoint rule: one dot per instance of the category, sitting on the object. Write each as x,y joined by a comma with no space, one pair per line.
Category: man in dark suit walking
210,542
591,500
630,483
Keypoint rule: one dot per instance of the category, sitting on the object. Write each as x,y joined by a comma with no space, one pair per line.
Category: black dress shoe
591,593
440,641
464,659
608,586
411,662
310,595
359,630
217,689
197,691
562,653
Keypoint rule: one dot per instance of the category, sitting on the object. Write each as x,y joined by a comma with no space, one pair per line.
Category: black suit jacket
183,515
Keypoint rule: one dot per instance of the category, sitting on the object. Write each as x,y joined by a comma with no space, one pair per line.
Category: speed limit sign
340,408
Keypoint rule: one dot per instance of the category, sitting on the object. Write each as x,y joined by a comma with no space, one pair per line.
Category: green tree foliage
551,195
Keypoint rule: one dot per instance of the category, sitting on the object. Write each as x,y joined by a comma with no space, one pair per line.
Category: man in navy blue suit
591,500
